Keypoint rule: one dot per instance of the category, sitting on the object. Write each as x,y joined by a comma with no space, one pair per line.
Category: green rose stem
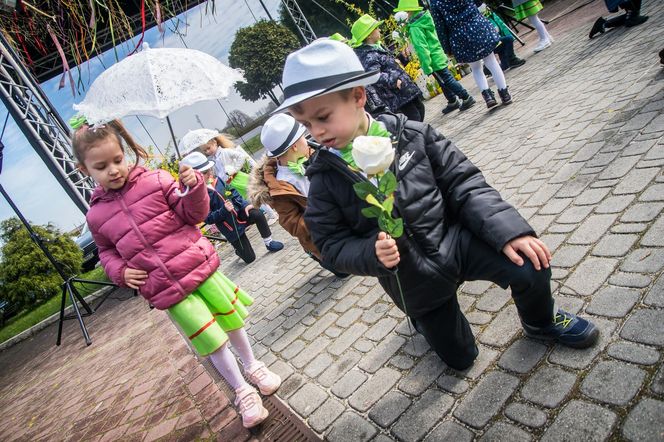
381,203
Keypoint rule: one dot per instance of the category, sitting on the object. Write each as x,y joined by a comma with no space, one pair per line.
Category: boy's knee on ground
459,358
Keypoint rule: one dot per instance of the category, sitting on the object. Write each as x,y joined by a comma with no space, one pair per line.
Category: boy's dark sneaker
516,62
456,104
274,246
467,103
489,98
505,96
598,28
566,328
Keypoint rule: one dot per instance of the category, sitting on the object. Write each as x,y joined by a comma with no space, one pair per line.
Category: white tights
225,362
539,26
493,66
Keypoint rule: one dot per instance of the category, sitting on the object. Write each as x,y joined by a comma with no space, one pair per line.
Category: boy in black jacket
457,227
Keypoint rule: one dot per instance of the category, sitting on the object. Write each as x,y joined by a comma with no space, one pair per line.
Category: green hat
408,5
338,37
361,29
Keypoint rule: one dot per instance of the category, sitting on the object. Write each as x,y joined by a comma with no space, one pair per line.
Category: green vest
422,34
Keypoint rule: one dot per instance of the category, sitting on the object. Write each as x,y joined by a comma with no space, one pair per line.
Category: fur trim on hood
257,191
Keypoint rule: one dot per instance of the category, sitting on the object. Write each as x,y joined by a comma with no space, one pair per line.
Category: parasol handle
181,193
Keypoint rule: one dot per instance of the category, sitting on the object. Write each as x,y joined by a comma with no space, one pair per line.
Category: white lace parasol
195,138
156,82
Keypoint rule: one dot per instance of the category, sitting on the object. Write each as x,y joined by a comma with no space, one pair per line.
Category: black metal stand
507,15
68,288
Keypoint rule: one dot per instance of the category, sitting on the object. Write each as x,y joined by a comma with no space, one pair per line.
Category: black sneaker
467,103
516,62
274,246
598,28
505,96
489,98
566,328
451,106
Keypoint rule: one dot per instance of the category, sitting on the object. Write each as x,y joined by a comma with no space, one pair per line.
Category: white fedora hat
197,161
196,138
322,67
279,133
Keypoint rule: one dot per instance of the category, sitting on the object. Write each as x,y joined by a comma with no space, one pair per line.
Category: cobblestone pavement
580,152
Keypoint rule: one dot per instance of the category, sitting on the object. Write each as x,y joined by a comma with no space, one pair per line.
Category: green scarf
376,129
297,167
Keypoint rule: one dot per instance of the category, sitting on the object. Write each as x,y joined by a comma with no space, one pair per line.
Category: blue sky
26,178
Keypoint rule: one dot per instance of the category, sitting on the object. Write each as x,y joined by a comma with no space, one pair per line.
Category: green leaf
388,204
364,189
371,212
398,228
374,201
387,184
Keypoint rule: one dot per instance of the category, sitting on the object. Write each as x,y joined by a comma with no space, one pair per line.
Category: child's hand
387,251
187,176
533,248
229,206
398,83
135,278
247,209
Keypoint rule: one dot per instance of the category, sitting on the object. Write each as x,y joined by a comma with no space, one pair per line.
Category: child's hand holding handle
387,251
533,248
135,278
187,179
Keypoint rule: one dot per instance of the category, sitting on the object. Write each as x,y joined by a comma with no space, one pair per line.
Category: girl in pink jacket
148,240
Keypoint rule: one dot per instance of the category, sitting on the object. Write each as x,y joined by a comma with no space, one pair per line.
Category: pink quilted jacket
146,226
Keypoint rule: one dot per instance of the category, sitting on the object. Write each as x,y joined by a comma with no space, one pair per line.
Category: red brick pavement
138,381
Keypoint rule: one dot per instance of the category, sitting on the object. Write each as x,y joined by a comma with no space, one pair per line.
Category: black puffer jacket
441,195
386,90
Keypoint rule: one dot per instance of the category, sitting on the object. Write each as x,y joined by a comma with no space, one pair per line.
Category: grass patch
27,319
253,144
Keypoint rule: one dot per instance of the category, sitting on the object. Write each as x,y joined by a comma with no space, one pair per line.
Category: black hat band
316,84
287,142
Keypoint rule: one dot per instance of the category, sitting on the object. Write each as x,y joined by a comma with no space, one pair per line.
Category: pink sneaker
251,406
266,381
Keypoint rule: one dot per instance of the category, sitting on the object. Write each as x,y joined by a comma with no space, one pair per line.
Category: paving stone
475,287
486,399
655,235
582,358
339,368
319,364
636,180
615,245
422,375
416,346
375,388
630,352
281,368
363,345
614,204
379,356
614,302
310,352
290,385
522,355
591,196
548,386
625,228
333,331
389,408
478,318
655,296
452,384
642,212
634,280
422,416
351,427
613,382
319,326
307,399
345,303
645,421
553,241
561,228
574,214
581,421
501,431
645,326
293,349
493,300
555,206
450,430
503,328
569,256
485,358
348,384
347,338
657,385
590,275
381,329
654,192
592,229
644,261
375,312
349,317
526,415
619,168
325,415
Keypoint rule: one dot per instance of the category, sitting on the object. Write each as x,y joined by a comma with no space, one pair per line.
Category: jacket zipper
148,246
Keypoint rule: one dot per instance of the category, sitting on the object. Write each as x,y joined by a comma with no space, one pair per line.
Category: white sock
225,363
478,75
267,240
240,342
539,26
496,72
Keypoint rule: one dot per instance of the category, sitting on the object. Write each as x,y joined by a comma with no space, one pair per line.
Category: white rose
373,154
396,35
401,16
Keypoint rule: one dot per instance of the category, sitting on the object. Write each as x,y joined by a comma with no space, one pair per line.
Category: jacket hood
257,191
101,194
421,20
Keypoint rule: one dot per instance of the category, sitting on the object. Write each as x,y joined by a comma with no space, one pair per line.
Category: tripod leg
62,314
71,291
78,296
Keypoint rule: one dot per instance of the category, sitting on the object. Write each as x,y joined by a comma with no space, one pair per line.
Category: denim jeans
451,88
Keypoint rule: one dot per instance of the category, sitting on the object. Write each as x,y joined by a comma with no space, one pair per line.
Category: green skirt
213,308
527,9
240,182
